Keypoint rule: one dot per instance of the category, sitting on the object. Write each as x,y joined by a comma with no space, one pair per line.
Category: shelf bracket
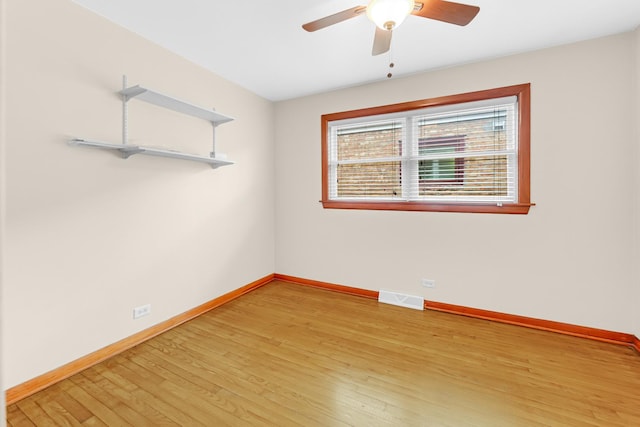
213,141
125,113
130,151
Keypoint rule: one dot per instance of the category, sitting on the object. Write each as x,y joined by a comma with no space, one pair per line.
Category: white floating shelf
156,98
129,150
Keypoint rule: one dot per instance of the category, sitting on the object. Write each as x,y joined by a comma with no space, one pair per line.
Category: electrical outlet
428,283
143,310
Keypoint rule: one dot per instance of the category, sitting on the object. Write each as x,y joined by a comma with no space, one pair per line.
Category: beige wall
90,235
636,255
569,260
2,197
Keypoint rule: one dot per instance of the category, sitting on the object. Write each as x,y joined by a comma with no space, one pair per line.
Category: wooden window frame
522,92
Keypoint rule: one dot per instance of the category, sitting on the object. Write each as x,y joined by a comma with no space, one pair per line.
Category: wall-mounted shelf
161,100
129,150
168,102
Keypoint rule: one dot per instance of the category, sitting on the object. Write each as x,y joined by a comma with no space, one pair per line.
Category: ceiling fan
389,14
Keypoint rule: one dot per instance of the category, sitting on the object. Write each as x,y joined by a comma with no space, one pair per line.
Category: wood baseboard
330,286
529,322
43,381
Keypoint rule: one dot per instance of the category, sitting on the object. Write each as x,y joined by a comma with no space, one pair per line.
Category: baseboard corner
328,286
636,344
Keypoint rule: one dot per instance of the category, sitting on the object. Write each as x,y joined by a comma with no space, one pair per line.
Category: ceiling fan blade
446,11
381,41
334,19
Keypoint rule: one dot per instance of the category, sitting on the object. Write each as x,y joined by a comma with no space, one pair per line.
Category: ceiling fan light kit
389,14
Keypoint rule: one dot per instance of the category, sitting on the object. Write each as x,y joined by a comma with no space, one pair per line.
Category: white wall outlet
428,283
143,310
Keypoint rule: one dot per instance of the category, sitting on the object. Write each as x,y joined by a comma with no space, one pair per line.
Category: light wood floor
292,355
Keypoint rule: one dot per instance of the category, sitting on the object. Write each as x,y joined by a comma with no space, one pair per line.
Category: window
461,153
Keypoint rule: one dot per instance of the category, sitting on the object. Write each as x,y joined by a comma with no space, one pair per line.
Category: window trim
522,92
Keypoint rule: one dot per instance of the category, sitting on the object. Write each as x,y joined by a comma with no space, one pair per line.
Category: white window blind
466,152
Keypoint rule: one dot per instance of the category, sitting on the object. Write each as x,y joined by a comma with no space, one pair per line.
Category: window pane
370,180
370,141
482,129
483,178
467,155
437,170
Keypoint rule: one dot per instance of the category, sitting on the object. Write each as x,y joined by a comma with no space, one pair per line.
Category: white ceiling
261,46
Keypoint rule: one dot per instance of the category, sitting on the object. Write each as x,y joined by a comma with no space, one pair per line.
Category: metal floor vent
403,300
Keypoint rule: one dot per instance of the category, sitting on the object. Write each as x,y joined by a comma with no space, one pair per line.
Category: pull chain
391,65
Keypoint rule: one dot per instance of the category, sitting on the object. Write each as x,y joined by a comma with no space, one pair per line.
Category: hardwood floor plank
108,414
174,403
229,377
151,395
307,385
17,418
208,394
34,412
55,405
144,411
71,405
59,415
94,422
284,366
289,355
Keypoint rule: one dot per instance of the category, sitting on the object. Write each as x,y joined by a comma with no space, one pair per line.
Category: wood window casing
520,206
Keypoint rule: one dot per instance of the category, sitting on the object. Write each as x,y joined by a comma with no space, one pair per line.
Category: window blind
463,152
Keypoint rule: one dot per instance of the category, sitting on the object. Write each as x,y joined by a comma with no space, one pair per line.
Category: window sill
511,208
